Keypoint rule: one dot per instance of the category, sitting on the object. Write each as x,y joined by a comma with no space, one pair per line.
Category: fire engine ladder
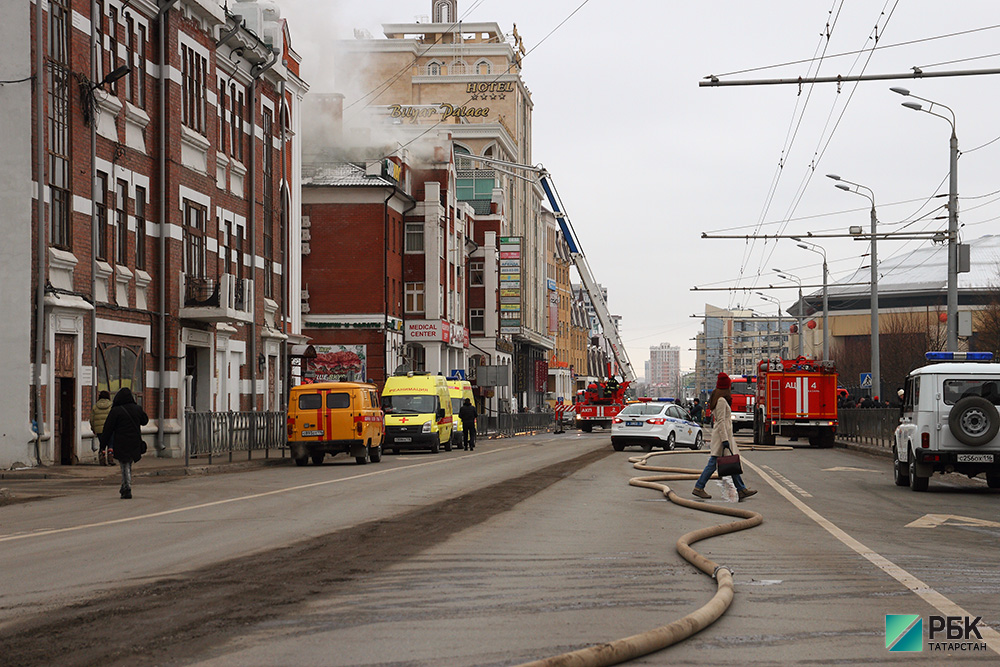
579,261
773,402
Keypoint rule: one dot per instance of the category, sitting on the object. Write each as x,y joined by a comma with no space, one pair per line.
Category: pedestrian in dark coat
125,423
467,413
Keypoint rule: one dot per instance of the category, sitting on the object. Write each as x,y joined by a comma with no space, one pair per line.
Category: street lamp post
952,212
812,247
781,342
870,196
788,276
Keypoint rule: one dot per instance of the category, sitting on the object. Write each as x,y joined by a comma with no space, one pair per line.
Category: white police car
655,423
949,420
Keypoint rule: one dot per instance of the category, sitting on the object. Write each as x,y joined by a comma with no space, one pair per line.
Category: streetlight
870,196
952,213
775,300
785,275
812,247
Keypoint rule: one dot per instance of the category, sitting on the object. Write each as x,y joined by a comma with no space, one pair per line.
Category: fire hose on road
635,646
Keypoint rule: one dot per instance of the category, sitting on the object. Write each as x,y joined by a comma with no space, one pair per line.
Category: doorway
66,421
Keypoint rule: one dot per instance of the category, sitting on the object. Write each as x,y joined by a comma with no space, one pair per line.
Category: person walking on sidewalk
98,415
722,437
467,413
124,424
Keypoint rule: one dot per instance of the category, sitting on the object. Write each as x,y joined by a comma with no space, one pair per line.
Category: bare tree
988,328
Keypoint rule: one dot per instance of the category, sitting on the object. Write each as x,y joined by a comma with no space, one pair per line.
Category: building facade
151,269
664,375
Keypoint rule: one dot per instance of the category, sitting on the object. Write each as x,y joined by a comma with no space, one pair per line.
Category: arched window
462,160
484,67
434,68
459,68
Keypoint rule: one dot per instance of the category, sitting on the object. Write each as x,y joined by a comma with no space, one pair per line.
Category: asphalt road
523,549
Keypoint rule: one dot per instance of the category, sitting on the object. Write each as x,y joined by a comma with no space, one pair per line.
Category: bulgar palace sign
446,111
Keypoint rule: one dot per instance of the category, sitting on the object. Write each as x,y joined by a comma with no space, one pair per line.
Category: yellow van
332,418
418,412
459,390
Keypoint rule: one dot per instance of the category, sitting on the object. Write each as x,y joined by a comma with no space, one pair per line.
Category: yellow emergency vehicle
418,412
333,418
459,390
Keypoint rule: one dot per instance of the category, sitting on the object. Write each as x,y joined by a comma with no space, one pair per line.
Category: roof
959,368
925,270
340,174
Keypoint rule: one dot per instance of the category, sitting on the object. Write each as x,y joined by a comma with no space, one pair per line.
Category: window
434,69
417,356
58,125
194,68
414,297
440,241
236,102
223,124
121,223
414,237
483,67
338,400
459,67
267,121
140,227
100,40
194,240
102,216
477,320
310,401
113,45
477,273
120,364
139,69
130,88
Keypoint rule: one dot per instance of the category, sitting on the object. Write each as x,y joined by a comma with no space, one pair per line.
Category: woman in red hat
722,437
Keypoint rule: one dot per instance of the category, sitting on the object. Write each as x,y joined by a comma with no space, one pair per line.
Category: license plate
404,439
975,458
633,423
311,434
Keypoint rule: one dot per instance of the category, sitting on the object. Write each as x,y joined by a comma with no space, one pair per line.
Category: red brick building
160,123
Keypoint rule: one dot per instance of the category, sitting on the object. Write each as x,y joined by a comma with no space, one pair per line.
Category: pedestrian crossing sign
866,380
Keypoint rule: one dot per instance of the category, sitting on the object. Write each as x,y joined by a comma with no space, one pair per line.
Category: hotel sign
439,113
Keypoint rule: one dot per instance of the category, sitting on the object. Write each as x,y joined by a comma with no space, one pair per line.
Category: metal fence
516,423
216,433
871,427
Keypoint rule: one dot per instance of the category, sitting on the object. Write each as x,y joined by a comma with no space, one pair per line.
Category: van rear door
338,414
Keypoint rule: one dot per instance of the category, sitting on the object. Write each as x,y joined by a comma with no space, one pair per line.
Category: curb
873,450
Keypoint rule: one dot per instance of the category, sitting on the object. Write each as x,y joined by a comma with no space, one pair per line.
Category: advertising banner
337,363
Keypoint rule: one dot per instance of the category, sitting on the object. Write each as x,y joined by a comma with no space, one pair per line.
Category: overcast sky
646,161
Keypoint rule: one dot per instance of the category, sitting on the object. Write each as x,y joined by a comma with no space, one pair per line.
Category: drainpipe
285,297
257,71
39,227
161,410
385,274
95,54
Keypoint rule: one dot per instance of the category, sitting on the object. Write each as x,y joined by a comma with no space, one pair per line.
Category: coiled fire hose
657,639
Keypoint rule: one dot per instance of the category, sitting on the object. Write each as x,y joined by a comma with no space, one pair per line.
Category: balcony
227,299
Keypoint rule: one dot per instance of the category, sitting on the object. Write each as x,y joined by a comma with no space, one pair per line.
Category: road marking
944,605
789,483
935,520
849,469
216,503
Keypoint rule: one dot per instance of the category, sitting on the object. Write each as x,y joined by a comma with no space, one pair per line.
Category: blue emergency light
959,356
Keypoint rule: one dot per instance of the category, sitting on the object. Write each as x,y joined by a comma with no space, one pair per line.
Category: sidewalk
36,483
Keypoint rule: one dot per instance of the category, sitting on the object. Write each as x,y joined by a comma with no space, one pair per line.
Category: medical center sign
510,285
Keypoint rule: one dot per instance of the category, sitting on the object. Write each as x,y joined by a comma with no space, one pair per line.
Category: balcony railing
228,299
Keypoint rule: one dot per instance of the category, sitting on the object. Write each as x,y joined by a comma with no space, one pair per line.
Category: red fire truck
599,403
744,392
796,398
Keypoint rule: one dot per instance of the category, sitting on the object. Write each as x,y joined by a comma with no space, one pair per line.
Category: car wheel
587,428
362,460
376,454
317,459
647,446
699,441
448,445
916,483
435,448
974,421
671,443
900,470
618,446
302,461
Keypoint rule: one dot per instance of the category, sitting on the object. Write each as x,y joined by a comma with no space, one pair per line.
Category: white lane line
215,503
789,483
945,606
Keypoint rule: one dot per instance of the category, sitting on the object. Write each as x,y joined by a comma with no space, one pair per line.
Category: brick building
159,124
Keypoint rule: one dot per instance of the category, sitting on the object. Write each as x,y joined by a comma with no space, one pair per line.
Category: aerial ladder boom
589,283
579,261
